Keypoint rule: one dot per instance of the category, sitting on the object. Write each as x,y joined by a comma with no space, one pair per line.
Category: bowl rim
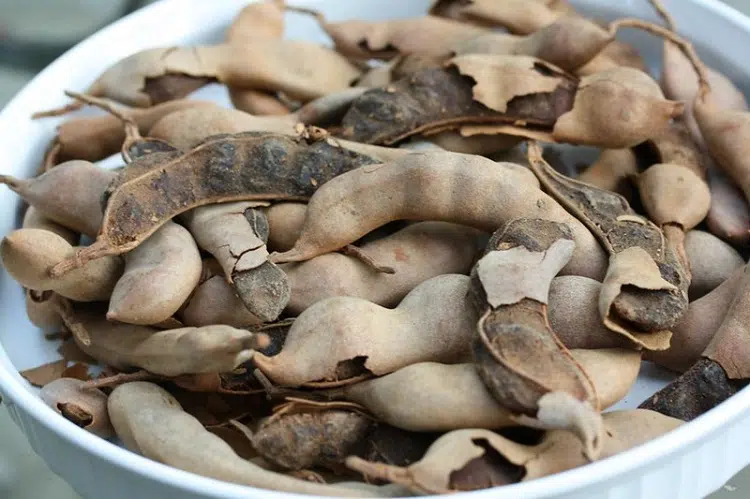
14,392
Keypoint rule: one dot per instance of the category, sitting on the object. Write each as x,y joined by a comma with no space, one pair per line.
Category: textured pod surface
85,408
159,276
338,339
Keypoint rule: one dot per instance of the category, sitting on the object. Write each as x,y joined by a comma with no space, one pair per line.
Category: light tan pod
712,261
84,408
32,219
43,310
215,302
284,224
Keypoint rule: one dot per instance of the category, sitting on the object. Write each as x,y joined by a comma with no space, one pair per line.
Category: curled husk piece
645,289
149,420
477,459
510,286
86,408
341,339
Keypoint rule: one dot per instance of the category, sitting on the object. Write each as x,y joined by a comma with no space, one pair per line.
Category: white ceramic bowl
687,463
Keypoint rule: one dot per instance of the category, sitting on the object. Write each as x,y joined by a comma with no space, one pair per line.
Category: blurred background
32,34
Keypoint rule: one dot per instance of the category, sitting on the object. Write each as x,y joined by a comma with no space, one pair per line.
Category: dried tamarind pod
84,408
69,195
712,261
149,420
159,276
342,339
161,186
351,205
476,459
695,329
645,290
42,309
172,352
513,325
612,171
285,222
518,16
215,302
32,219
29,254
430,396
729,216
235,234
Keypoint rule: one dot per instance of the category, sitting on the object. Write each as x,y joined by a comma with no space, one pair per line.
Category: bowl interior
23,141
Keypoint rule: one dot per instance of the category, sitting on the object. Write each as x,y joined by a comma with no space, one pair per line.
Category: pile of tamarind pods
367,279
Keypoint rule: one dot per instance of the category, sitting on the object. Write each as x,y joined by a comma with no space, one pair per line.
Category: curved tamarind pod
429,396
32,219
476,459
42,310
645,290
159,276
285,222
612,171
340,339
729,216
468,190
510,287
29,254
160,186
235,234
712,261
84,408
172,352
69,195
518,16
696,328
149,420
614,54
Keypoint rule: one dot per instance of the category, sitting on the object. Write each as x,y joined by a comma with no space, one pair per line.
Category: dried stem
99,249
663,13
50,157
361,255
119,379
382,471
60,111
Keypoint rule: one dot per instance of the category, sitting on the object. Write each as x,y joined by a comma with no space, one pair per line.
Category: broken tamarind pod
93,138
612,171
234,168
515,95
258,19
42,310
69,195
475,459
720,372
429,396
513,325
696,328
645,289
159,276
729,216
29,254
712,261
428,35
416,253
32,219
84,408
343,339
172,352
285,222
351,205
149,420
235,234
574,315
518,16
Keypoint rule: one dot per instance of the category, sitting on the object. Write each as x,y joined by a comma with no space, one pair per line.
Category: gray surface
23,475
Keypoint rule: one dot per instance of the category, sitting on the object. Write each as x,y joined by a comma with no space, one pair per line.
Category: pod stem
663,13
308,11
99,249
60,111
119,379
51,155
685,46
11,181
361,255
382,471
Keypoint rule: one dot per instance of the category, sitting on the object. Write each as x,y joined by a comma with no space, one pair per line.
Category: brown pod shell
673,194
32,219
86,408
612,171
215,302
518,16
712,261
285,222
729,216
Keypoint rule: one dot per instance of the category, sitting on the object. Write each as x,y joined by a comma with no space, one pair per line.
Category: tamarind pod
69,195
510,288
468,190
84,408
416,253
466,459
215,302
329,108
32,219
235,234
639,259
429,396
149,420
257,102
93,138
171,352
481,144
285,221
233,168
612,171
729,215
42,310
29,254
696,328
341,338
518,16
613,55
712,261
159,276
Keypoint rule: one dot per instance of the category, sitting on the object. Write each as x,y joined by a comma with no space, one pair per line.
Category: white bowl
690,462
